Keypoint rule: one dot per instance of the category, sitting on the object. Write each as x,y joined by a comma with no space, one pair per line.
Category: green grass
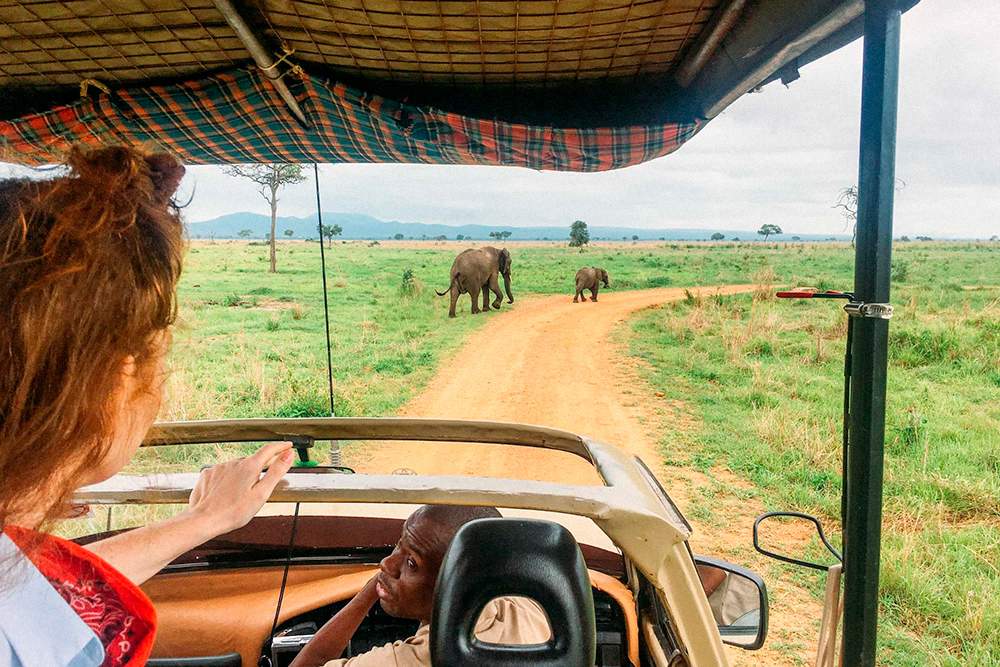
764,378
252,343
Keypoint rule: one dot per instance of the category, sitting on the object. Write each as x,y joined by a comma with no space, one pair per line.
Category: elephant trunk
506,286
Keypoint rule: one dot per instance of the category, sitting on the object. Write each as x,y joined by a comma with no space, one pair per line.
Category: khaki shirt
734,597
503,621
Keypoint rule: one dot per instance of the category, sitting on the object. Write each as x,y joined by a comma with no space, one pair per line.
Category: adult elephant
477,270
590,278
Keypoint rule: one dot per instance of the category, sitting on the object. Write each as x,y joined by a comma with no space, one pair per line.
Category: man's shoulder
513,620
410,652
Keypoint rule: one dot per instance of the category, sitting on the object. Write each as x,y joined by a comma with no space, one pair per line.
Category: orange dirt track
547,362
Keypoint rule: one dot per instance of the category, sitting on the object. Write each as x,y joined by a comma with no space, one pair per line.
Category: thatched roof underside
569,64
56,44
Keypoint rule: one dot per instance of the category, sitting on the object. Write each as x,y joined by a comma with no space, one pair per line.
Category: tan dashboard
231,610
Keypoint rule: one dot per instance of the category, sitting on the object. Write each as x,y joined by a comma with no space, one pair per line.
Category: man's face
405,583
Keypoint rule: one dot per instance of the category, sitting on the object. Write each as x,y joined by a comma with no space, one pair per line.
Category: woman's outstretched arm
225,498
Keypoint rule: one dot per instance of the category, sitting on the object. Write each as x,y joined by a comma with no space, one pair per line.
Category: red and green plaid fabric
237,117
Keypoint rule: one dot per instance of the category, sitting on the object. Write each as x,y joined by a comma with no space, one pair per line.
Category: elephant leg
593,292
486,298
474,293
494,286
454,300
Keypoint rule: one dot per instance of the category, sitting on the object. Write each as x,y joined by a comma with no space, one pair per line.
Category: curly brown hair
89,263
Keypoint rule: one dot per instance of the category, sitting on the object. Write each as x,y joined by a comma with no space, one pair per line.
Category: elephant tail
449,286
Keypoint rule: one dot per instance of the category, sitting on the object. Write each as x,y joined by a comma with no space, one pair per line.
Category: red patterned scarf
118,612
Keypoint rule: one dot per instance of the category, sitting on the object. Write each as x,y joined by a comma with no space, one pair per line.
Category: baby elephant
590,278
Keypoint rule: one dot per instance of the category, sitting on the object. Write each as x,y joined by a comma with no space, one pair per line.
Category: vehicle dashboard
220,598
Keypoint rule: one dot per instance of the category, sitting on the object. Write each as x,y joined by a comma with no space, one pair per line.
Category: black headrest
492,558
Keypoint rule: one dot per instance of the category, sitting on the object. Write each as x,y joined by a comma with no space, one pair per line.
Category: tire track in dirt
548,361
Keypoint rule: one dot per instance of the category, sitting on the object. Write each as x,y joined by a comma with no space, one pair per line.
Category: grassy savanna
762,379
252,344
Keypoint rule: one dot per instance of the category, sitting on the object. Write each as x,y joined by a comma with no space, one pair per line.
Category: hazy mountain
361,226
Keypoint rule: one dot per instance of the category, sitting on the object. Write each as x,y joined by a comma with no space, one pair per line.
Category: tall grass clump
409,286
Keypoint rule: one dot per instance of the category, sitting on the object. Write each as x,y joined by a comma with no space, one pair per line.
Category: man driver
405,588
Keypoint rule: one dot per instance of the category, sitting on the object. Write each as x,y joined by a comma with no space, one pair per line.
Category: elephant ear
504,260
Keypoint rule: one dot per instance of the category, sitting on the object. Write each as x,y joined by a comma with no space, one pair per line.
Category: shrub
409,285
232,300
317,405
273,323
900,270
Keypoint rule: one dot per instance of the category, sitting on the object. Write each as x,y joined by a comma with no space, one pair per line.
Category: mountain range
361,226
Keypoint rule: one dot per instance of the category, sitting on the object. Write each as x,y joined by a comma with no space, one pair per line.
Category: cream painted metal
833,611
631,509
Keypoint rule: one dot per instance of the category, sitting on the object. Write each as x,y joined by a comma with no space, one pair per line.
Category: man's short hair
453,517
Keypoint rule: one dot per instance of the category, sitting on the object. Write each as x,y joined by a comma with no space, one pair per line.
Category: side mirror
773,516
738,599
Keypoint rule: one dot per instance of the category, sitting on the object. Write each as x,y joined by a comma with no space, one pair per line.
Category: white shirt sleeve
37,627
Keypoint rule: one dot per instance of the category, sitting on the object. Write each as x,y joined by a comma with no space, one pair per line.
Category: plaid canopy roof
237,117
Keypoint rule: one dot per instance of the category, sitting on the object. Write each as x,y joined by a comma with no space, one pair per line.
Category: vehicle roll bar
367,428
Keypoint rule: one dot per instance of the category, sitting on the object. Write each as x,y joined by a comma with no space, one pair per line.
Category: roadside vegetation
762,380
251,343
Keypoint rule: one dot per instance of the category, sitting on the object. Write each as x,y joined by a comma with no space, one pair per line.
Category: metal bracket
302,444
878,311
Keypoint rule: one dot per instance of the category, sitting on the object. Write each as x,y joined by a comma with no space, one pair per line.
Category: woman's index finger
264,455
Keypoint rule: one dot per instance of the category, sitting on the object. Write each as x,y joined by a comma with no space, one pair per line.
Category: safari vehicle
219,598
571,85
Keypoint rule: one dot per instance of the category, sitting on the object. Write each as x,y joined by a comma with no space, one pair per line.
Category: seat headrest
491,558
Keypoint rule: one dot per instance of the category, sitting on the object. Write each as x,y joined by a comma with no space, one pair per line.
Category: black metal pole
848,364
862,533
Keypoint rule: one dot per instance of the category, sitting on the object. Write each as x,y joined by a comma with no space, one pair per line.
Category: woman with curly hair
89,263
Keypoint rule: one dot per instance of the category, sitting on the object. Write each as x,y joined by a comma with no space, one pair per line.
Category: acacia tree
578,234
767,230
329,231
244,233
271,177
289,233
718,236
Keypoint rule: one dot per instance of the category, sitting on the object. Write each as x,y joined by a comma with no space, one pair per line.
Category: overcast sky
780,156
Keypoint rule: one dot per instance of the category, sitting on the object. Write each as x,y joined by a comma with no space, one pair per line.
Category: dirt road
549,362
546,362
